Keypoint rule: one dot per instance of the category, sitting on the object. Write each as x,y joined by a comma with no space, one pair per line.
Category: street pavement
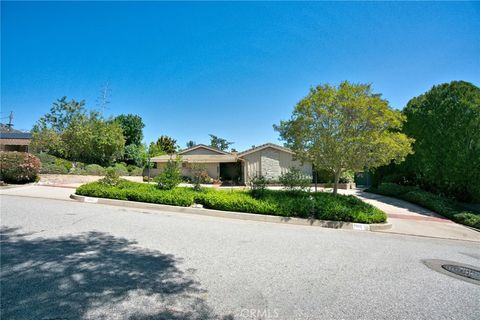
69,260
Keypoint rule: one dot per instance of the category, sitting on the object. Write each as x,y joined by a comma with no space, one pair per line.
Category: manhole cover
463,271
456,270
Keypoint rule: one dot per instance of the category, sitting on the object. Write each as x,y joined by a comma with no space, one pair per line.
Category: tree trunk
337,178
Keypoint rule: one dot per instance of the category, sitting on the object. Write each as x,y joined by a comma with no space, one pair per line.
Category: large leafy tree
61,114
132,126
68,131
163,145
191,144
93,140
345,127
219,143
445,123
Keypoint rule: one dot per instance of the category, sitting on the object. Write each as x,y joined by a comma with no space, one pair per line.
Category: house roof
198,158
264,146
198,146
7,132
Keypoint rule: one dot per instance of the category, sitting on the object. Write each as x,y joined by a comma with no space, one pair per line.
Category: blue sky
231,69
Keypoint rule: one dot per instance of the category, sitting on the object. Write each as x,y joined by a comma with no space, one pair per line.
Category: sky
229,69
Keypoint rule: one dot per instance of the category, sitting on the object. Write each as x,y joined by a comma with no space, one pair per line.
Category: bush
53,169
94,170
392,189
439,204
324,206
19,167
294,179
53,165
111,178
120,169
258,185
170,177
134,170
347,177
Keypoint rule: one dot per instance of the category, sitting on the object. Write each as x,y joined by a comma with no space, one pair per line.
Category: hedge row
323,206
441,205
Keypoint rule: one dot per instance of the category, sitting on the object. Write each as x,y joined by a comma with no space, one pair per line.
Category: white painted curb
236,215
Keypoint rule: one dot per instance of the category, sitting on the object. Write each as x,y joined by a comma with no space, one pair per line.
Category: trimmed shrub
94,170
294,179
324,206
19,167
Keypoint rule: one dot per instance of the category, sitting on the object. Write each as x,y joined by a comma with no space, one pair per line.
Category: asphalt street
69,260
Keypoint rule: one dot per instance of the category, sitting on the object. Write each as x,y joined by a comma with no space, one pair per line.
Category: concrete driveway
69,260
411,219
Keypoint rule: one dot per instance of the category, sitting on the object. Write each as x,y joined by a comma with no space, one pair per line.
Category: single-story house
14,140
269,160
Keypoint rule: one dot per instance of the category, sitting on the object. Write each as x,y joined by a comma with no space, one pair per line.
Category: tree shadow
93,276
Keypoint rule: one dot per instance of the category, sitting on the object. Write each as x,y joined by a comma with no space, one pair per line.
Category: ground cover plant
440,204
325,206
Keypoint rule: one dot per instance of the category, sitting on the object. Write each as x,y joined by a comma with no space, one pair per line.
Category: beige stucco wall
271,163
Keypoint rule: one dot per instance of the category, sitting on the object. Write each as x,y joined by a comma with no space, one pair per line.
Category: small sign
90,200
361,227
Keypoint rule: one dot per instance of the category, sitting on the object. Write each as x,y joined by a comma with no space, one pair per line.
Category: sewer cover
463,271
460,271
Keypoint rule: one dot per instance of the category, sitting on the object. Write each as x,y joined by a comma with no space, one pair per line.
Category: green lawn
324,206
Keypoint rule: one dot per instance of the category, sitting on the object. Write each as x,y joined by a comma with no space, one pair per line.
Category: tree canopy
132,126
445,123
163,145
191,144
219,143
68,131
345,127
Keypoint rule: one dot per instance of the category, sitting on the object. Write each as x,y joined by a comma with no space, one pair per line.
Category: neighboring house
269,160
14,140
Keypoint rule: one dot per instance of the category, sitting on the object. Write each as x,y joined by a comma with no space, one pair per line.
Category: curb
237,215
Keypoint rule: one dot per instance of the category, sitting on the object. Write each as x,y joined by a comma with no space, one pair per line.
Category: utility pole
10,120
104,97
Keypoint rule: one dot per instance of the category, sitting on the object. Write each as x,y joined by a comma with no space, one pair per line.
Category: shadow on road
93,275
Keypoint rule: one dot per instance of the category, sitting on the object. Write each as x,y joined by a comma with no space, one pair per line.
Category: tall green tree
136,154
219,143
191,144
345,127
132,126
93,140
61,114
445,122
163,145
